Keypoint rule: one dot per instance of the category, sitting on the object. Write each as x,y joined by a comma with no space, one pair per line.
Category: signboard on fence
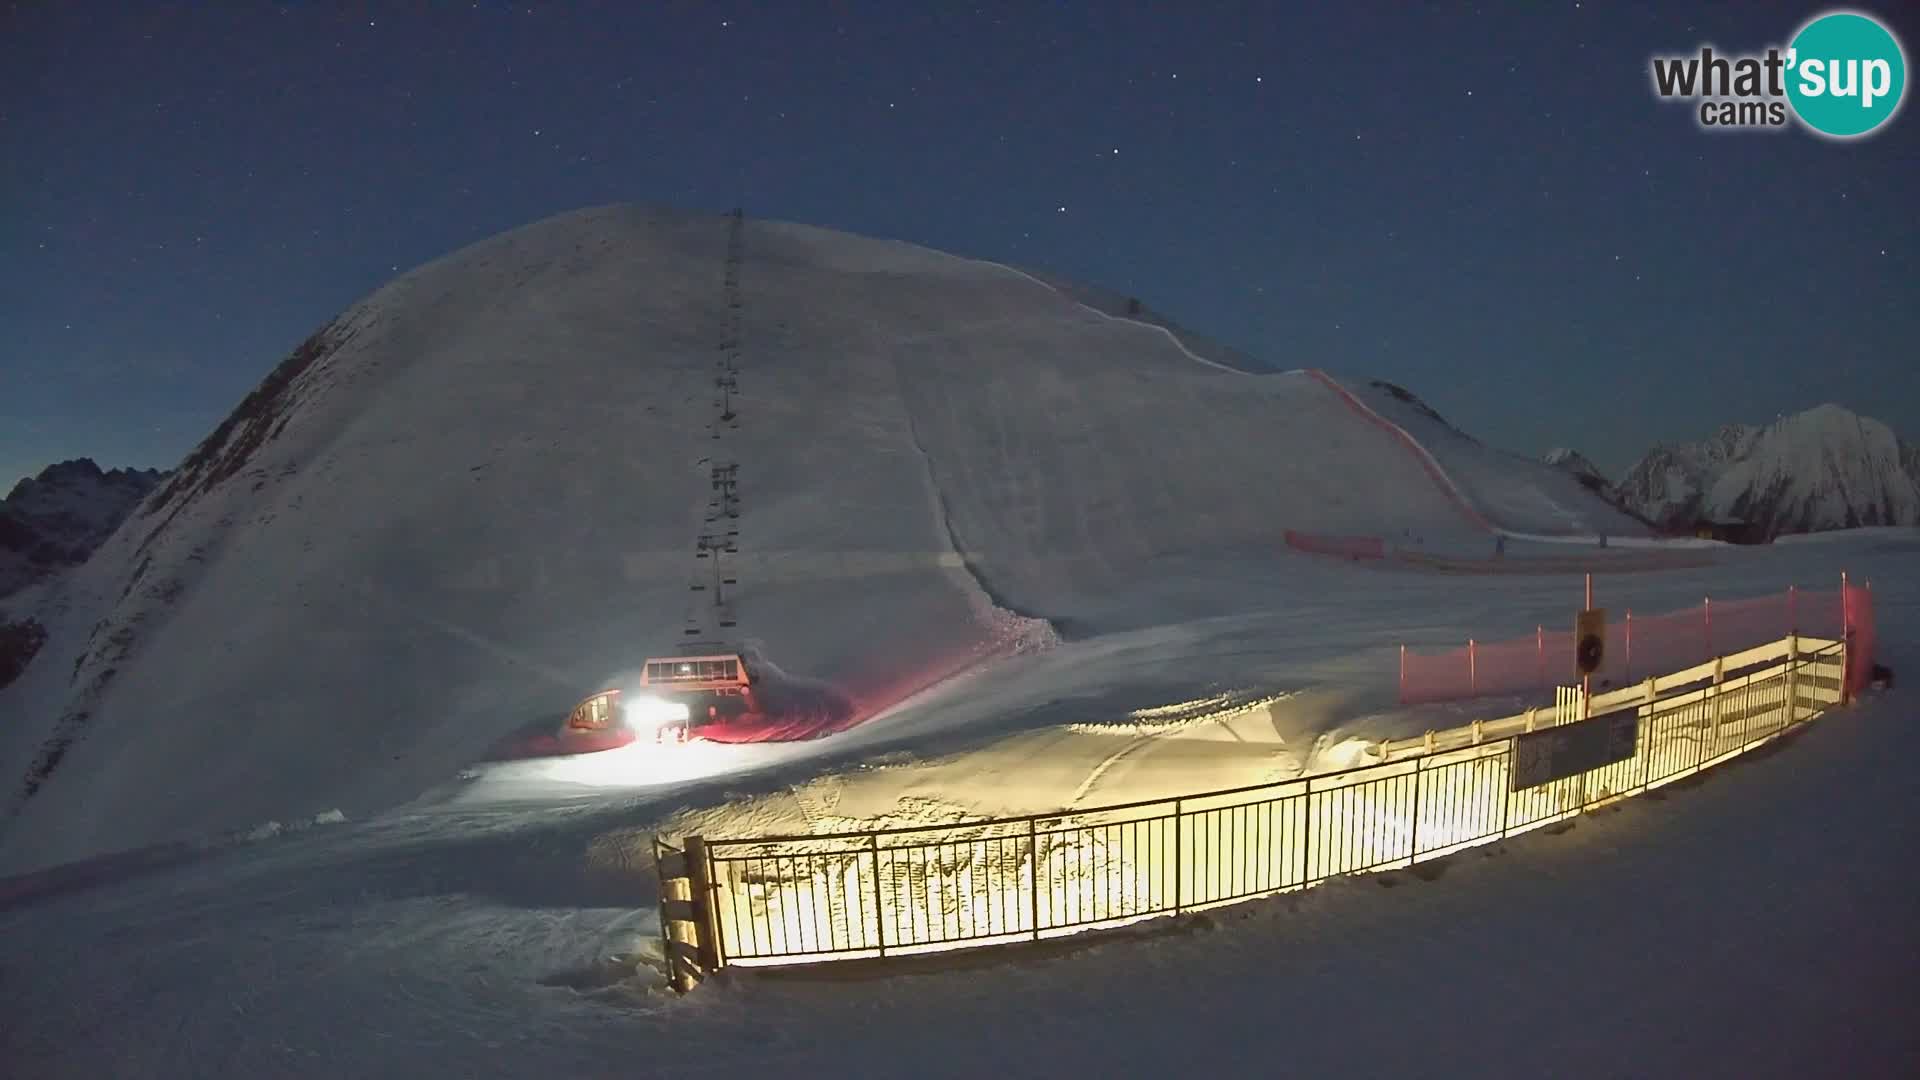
1589,641
1555,753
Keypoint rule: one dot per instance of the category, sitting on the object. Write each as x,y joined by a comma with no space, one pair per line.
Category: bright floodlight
649,711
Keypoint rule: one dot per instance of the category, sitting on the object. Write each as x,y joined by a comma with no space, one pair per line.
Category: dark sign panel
1589,641
1541,757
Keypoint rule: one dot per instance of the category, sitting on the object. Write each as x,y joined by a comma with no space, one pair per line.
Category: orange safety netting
1641,645
1859,619
1345,547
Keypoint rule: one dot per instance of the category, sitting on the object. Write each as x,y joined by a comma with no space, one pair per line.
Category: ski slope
1497,491
474,498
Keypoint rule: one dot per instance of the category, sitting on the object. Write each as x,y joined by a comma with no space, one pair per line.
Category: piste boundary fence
1636,645
894,892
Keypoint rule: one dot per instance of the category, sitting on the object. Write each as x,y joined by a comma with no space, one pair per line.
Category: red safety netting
1345,547
1638,646
1860,638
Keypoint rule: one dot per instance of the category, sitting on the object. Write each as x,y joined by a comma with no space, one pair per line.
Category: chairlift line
724,499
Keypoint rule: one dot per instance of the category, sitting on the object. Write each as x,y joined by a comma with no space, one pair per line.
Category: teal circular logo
1845,74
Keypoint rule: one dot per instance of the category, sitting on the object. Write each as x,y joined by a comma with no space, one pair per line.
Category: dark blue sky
1488,205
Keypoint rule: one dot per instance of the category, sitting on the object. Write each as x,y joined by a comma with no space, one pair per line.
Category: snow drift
474,496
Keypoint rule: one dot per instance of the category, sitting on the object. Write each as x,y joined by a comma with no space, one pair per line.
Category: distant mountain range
55,520
1825,468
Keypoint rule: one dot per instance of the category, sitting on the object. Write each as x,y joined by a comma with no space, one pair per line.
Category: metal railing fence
890,892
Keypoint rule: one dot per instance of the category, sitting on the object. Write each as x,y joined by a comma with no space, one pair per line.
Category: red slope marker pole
1846,643
1586,681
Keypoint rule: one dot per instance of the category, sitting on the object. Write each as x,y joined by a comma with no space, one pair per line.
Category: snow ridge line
1427,461
1421,453
1459,499
1011,630
1170,335
994,601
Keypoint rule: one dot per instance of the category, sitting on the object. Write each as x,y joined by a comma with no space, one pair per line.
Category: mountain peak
55,520
1582,468
1829,408
80,472
1826,467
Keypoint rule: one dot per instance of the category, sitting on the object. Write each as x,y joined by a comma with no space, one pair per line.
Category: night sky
1487,206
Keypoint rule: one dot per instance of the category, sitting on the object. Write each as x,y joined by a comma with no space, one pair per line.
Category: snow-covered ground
1754,924
474,498
477,501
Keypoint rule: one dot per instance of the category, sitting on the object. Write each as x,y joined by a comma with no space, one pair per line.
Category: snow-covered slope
1509,493
55,520
518,940
475,496
1826,468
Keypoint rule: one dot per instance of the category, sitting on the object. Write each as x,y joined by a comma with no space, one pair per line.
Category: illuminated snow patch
637,764
1178,716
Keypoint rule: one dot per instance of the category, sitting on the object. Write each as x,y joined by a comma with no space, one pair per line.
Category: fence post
680,983
1793,617
1643,744
1792,677
879,905
700,880
1179,857
1413,831
1540,652
1793,666
683,970
1706,613
1719,703
1033,886
1846,643
1473,669
1627,677
1403,674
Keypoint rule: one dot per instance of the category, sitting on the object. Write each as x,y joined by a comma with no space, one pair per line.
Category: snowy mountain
1584,470
479,493
55,520
1826,468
